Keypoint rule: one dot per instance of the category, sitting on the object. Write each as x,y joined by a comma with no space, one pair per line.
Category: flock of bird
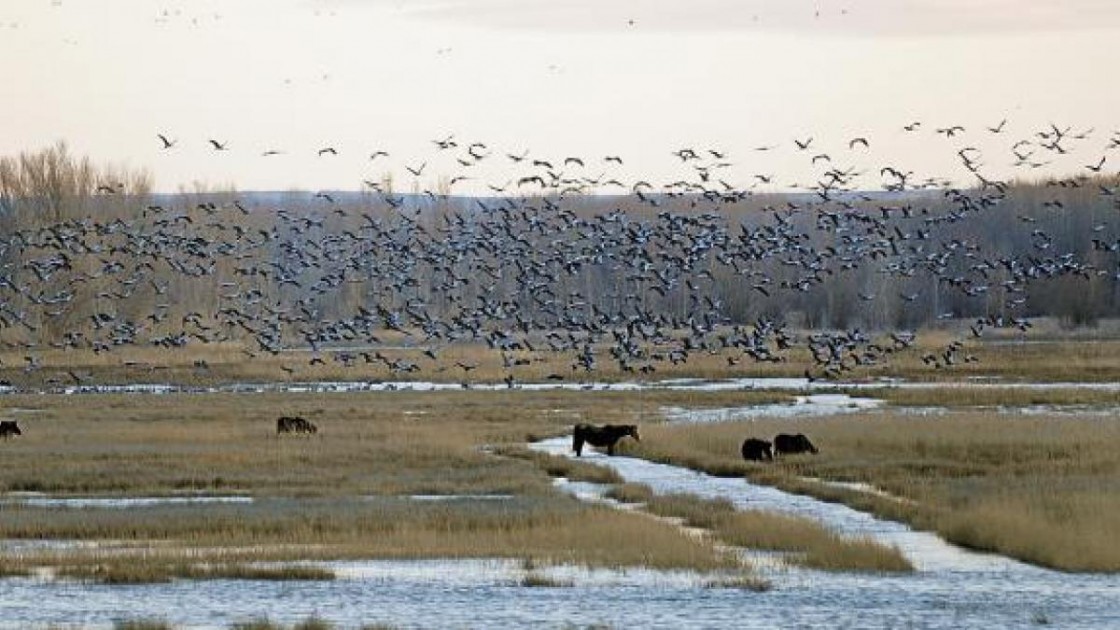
639,279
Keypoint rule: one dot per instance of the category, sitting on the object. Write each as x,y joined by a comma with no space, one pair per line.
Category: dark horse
9,428
756,450
607,435
295,424
785,444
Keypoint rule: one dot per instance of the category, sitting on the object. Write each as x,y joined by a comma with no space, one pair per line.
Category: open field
1042,489
359,489
356,490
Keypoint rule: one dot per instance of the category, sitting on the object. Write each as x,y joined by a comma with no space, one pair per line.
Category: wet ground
952,587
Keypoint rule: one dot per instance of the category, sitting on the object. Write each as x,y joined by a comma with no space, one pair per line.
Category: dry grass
342,494
1038,488
745,582
631,493
537,580
311,623
994,396
13,567
816,546
143,624
558,466
1040,359
133,570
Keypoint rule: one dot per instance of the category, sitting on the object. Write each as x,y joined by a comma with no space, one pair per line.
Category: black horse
295,424
786,444
756,450
9,428
607,435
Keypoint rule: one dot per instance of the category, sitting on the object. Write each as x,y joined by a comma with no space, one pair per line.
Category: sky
638,79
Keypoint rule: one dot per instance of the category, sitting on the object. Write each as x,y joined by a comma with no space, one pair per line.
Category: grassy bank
1042,489
815,546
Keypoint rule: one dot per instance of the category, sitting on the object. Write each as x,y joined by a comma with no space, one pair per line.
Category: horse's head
632,430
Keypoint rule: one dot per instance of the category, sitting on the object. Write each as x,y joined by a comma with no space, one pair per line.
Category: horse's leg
610,448
577,445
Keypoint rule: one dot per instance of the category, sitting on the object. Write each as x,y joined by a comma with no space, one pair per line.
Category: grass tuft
631,493
817,546
537,580
143,624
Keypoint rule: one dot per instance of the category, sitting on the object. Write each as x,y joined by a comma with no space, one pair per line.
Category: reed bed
630,493
343,493
745,582
557,466
132,571
815,545
1039,488
537,580
143,624
311,623
957,396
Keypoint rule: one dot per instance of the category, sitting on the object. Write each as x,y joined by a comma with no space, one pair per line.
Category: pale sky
587,78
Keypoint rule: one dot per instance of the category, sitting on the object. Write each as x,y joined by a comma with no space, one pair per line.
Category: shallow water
952,587
811,405
118,503
687,384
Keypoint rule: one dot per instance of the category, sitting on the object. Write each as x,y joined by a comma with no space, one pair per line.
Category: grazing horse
295,424
9,428
606,435
756,450
786,444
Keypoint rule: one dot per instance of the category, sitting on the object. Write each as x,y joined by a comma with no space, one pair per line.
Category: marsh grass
994,396
313,622
743,582
13,567
154,570
343,494
558,466
1044,358
817,546
1038,488
845,553
630,493
143,624
538,580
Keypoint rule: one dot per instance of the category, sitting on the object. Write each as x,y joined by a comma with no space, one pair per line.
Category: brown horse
606,435
9,428
756,450
786,444
295,424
